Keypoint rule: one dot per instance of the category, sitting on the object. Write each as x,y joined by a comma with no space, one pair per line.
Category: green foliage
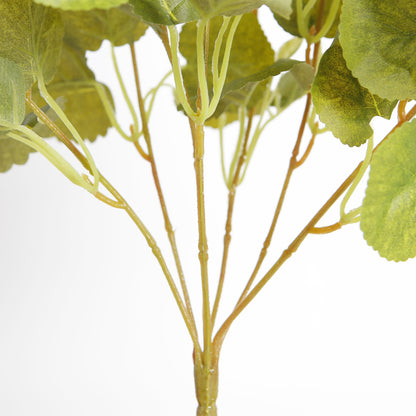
388,213
12,152
378,38
81,4
166,12
87,29
294,84
31,36
12,92
342,103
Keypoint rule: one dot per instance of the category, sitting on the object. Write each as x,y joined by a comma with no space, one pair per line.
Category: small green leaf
166,12
87,29
12,92
294,84
81,4
378,38
12,152
388,215
74,85
290,24
31,36
342,104
251,60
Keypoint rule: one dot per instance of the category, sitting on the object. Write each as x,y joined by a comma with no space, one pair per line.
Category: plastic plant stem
216,52
53,104
198,144
224,68
228,225
177,73
329,21
201,70
310,227
150,240
231,173
168,224
292,248
36,142
221,134
159,257
109,111
125,94
302,24
291,168
350,217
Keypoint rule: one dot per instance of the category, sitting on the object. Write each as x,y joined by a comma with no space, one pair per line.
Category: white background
87,323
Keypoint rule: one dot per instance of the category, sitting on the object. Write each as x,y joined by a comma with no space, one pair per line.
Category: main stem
206,372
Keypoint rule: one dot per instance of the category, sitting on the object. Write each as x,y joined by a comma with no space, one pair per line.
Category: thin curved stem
177,73
126,207
168,224
292,166
124,92
54,105
228,224
219,337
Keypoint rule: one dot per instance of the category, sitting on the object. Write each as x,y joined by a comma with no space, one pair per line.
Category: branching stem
168,225
228,225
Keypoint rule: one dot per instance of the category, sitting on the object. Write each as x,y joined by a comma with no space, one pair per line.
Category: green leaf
74,85
294,84
379,42
281,7
290,24
388,215
12,92
31,36
87,29
166,12
81,4
251,60
212,8
342,104
12,152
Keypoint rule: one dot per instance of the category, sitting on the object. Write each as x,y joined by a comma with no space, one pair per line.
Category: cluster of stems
206,353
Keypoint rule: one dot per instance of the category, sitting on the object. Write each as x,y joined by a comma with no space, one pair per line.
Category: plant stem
228,225
219,337
310,228
292,166
168,225
121,203
198,144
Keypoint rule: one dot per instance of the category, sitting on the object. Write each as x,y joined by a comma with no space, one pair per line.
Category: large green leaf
166,12
251,60
388,215
74,85
342,103
31,36
81,4
87,29
290,24
12,92
12,152
379,42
